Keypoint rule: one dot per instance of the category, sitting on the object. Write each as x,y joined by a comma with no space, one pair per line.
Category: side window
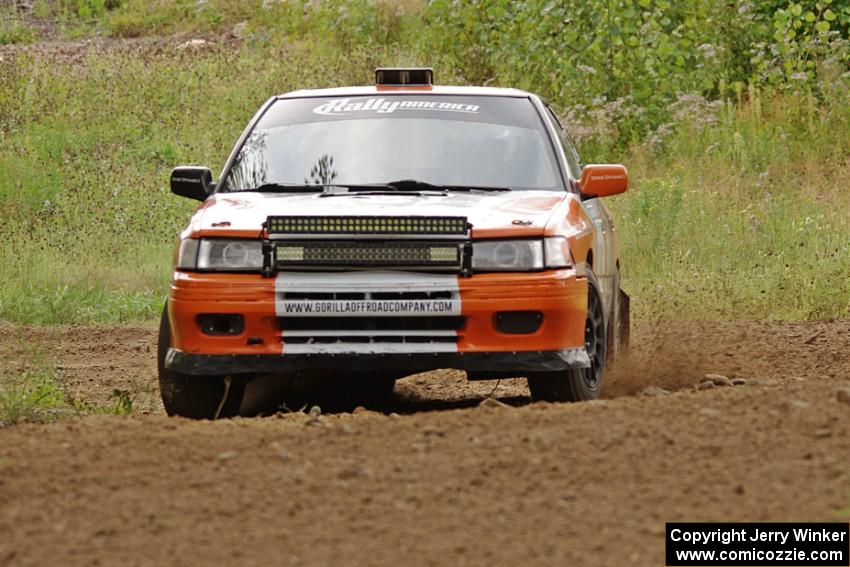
569,150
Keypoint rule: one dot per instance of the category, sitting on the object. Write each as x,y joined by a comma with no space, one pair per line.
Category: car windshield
444,140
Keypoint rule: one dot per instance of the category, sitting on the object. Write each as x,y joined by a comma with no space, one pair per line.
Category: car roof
413,90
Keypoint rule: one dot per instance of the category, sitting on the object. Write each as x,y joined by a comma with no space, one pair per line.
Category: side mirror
603,179
193,182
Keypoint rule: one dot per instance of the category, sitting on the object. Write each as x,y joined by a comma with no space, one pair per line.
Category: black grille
343,324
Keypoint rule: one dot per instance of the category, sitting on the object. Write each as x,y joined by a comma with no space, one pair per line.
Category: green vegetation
31,392
32,396
33,387
122,402
733,119
746,217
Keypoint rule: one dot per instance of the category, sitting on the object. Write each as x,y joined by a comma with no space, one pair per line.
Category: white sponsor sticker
339,106
393,307
365,284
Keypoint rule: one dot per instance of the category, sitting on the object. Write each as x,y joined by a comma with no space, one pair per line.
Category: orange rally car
369,233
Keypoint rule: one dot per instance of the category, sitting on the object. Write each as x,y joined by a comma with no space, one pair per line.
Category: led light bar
433,226
368,253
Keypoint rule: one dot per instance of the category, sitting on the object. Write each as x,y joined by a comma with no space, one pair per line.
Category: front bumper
502,363
267,344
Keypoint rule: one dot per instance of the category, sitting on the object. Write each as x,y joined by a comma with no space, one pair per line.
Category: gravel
717,379
492,403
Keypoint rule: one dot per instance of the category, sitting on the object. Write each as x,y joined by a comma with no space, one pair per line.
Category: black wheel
198,397
585,383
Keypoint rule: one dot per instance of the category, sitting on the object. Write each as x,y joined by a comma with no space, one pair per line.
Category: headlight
219,254
507,255
521,255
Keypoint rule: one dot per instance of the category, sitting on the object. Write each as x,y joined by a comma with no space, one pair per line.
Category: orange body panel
249,294
558,294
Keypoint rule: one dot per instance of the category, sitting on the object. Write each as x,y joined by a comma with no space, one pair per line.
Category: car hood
515,213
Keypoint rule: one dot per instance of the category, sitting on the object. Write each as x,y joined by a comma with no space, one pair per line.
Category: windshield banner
383,106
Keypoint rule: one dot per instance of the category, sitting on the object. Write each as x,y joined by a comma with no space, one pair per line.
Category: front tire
196,397
581,384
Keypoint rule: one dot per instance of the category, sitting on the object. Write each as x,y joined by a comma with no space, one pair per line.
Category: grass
262,19
744,217
12,32
32,391
36,395
737,208
85,203
32,396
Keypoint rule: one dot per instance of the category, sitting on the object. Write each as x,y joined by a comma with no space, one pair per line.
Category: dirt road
434,478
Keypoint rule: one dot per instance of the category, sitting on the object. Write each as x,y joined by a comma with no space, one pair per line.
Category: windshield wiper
415,184
382,189
285,188
410,186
